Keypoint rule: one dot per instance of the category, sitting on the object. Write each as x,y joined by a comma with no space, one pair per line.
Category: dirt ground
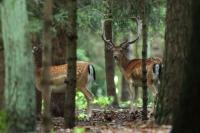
112,121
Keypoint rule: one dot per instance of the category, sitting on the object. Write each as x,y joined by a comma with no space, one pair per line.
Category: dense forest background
36,34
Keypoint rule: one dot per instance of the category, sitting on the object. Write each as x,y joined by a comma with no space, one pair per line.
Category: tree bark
144,57
46,63
109,62
124,93
69,113
125,86
19,70
2,74
188,113
176,40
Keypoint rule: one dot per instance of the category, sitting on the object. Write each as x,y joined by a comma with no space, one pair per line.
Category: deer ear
34,49
109,47
124,47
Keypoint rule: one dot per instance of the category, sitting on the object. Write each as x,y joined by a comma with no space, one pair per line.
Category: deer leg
154,90
46,99
154,93
132,96
89,97
136,93
46,115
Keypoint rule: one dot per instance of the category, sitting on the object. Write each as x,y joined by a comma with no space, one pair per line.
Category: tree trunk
176,40
125,86
188,113
19,70
144,57
59,46
109,62
124,91
46,62
2,74
69,113
59,57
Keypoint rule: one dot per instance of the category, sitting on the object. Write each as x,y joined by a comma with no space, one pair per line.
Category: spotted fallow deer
132,69
85,75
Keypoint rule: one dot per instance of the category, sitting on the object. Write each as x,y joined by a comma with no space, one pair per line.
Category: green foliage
81,102
79,130
60,17
52,131
3,122
137,103
35,25
82,55
82,116
103,101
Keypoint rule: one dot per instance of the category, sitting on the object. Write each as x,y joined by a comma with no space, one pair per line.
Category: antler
139,27
109,43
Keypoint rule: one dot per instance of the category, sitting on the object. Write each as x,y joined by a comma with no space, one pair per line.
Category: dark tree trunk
124,91
19,69
144,57
109,62
2,74
188,112
125,86
69,108
59,57
59,46
176,40
46,63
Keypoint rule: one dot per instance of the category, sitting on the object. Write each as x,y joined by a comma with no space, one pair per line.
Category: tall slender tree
186,117
2,74
69,113
109,62
19,77
177,37
46,62
144,56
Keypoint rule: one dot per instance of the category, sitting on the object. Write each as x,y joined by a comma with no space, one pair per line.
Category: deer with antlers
85,75
132,69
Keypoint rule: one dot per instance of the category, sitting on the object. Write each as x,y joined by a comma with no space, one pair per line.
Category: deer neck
123,63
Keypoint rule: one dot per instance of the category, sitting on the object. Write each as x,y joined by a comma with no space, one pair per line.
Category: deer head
120,50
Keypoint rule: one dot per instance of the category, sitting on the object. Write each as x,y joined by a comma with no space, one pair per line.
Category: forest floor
112,121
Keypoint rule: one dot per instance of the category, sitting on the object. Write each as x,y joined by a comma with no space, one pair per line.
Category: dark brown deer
132,69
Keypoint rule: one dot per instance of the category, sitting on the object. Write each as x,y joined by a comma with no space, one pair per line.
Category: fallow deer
132,69
85,75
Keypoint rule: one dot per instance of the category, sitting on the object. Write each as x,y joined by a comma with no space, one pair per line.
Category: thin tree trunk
109,62
2,74
144,57
125,93
46,62
69,113
125,86
59,57
176,39
19,70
